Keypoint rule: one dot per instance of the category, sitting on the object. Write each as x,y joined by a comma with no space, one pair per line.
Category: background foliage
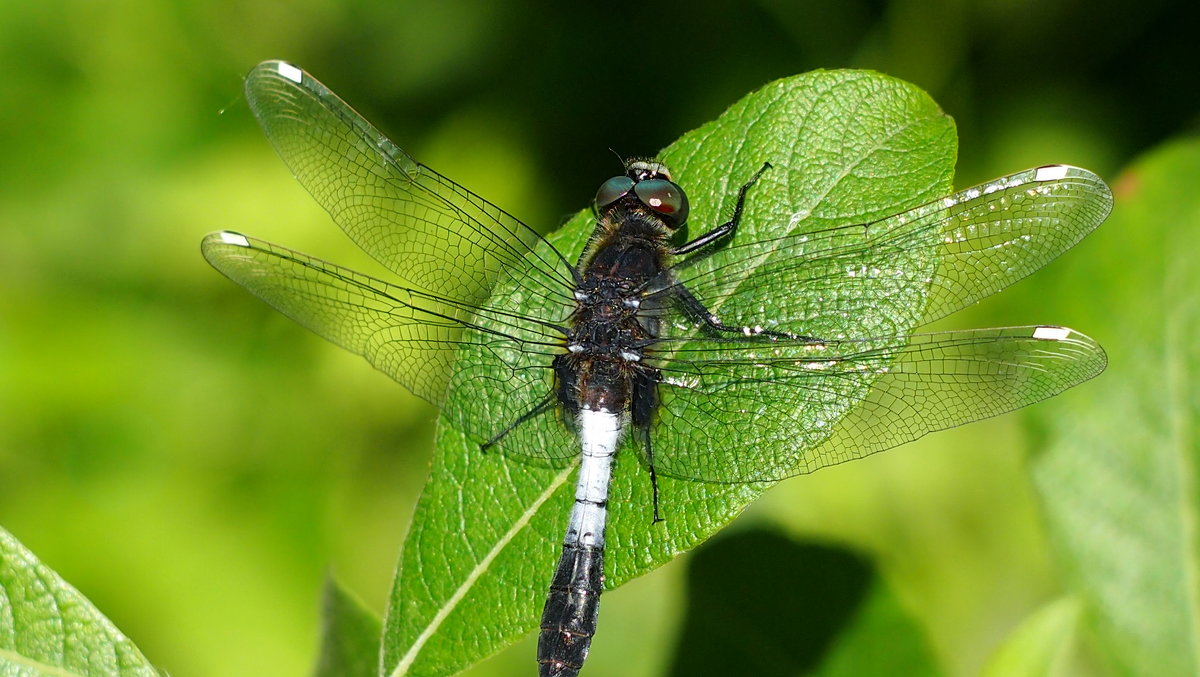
194,463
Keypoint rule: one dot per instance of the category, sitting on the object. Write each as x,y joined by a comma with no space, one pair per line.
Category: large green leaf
48,628
1118,477
846,147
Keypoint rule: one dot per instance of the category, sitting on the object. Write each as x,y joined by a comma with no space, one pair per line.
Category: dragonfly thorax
603,369
607,324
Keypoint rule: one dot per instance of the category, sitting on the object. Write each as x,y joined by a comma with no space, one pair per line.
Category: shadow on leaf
762,604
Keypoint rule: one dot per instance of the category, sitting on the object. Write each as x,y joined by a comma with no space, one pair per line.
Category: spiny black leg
641,413
693,306
540,408
644,434
725,229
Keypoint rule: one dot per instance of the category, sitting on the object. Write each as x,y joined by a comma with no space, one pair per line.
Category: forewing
831,283
434,234
733,411
410,335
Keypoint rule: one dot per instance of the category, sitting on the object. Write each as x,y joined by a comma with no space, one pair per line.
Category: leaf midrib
478,571
43,668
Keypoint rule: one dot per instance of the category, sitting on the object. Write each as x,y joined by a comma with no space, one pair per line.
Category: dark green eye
663,197
612,190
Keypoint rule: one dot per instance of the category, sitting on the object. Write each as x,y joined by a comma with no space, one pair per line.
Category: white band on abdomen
599,433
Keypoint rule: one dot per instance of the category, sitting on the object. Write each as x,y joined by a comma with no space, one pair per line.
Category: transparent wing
412,336
736,412
434,234
905,270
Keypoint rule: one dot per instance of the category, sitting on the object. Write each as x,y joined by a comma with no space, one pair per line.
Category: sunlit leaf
1118,477
48,628
846,147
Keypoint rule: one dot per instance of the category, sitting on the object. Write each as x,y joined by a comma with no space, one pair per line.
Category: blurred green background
195,463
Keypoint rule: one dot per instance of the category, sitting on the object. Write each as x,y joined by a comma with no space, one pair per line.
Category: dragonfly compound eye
664,197
612,190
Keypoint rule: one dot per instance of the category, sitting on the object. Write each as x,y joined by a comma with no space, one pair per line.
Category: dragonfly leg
727,229
540,408
643,435
694,307
645,403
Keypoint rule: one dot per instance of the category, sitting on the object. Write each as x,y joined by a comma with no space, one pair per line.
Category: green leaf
846,147
834,616
48,628
882,639
1118,477
1039,646
349,635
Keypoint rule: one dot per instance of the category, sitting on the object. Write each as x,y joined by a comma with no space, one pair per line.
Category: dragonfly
644,342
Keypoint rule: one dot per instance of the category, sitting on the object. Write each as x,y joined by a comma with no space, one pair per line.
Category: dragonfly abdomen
569,617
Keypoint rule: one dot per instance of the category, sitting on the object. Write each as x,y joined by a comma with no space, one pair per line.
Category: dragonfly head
640,169
650,183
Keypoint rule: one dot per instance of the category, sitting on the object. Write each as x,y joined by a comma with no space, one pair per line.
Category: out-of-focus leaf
349,635
1118,475
882,639
1038,646
48,628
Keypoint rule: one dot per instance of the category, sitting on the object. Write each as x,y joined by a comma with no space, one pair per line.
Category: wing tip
215,246
1052,172
1082,346
229,237
1058,172
1052,333
1099,191
289,71
279,66
277,71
